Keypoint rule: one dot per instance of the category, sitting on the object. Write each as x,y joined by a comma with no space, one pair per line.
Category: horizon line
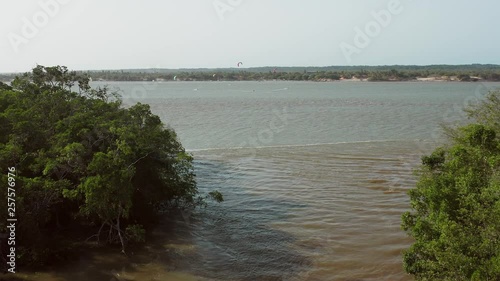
268,66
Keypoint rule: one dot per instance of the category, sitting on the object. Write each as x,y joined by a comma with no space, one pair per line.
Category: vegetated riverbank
354,79
313,77
464,73
82,168
474,72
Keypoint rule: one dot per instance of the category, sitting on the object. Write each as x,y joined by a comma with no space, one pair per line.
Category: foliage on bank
86,164
455,217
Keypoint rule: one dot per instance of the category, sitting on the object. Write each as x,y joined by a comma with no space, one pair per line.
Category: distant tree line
371,73
389,75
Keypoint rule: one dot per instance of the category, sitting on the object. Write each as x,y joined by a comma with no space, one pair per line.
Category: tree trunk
120,232
99,233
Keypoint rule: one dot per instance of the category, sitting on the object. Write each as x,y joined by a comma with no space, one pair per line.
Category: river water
314,175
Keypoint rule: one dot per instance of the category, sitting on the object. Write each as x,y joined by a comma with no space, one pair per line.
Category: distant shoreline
432,79
387,73
364,80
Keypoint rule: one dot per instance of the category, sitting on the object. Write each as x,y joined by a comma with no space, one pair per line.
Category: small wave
282,89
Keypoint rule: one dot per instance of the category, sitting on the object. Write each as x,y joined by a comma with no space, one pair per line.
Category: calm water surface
314,175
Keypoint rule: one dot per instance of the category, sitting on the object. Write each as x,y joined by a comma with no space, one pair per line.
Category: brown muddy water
315,178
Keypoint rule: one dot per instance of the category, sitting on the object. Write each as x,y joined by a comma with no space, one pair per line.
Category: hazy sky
118,34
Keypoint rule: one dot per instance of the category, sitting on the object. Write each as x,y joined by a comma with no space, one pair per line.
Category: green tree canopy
455,217
82,160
